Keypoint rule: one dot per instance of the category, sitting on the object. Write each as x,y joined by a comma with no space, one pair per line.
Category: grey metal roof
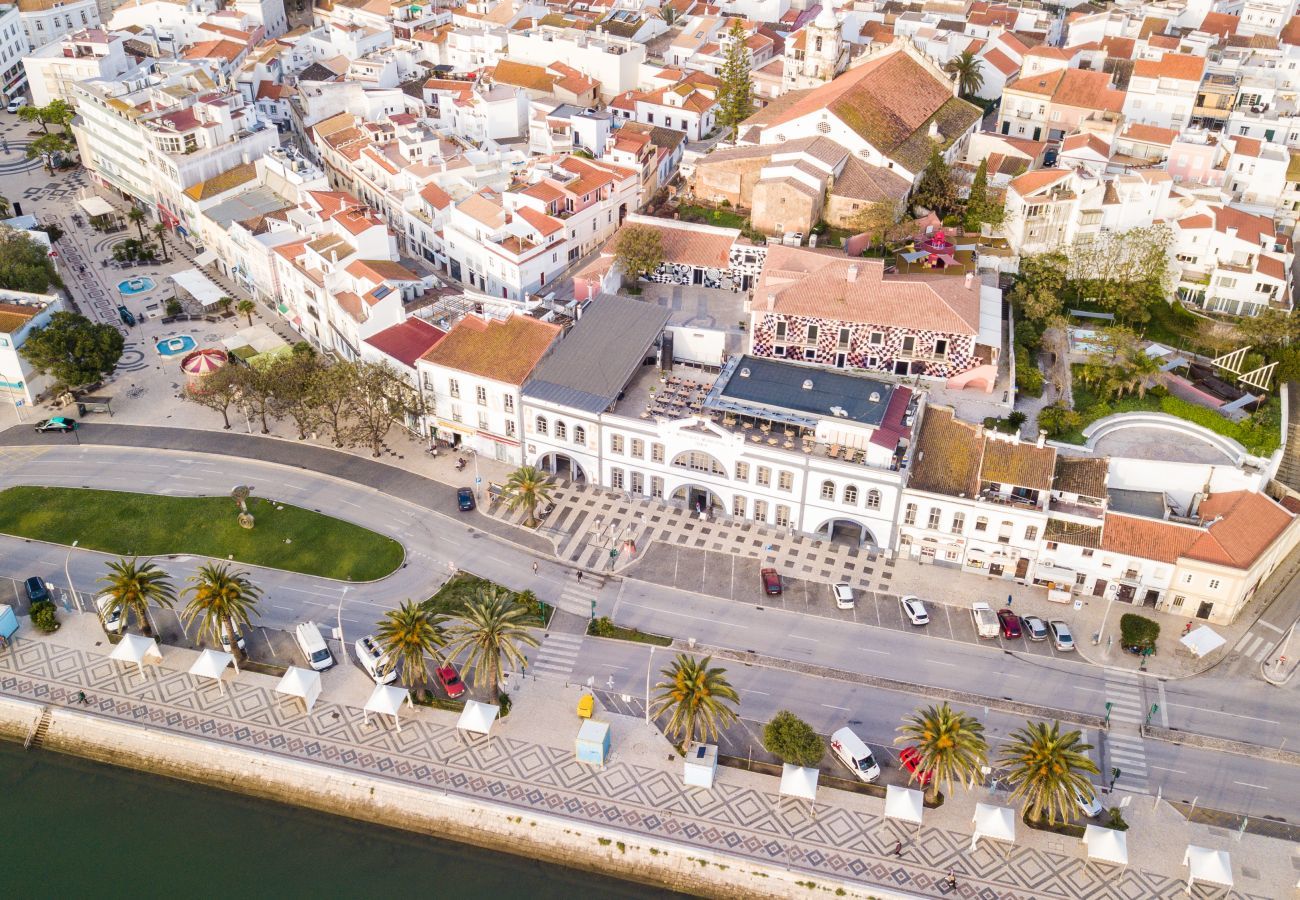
751,382
250,204
1150,504
595,361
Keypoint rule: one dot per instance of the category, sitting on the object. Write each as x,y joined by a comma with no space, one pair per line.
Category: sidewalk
527,765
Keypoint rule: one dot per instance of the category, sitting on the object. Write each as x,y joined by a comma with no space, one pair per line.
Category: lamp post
343,644
71,590
648,666
1104,617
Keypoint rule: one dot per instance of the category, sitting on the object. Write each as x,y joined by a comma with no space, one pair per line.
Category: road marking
871,650
840,708
1271,626
759,693
1167,769
800,637
1219,712
1164,704
1249,785
935,662
669,612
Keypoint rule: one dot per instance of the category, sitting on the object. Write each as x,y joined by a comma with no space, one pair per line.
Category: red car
449,678
910,759
771,582
1010,623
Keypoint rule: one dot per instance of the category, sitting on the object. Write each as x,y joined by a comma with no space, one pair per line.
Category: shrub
1138,631
1058,420
1029,379
793,740
1016,419
44,618
503,701
174,307
602,627
1115,819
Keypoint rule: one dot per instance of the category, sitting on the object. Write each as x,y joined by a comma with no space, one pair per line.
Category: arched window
851,494
873,499
579,435
828,490
541,425
698,461
561,430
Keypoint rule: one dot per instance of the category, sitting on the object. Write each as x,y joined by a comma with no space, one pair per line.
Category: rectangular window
958,523
455,413
482,421
510,427
785,481
981,524
1080,578
760,510
780,329
656,487
764,476
742,471
1178,600
1214,584
877,338
638,448
783,516
933,521
616,478
638,483
453,387
657,453
616,444
1087,554
509,401
909,514
480,395
941,347
1031,533
738,505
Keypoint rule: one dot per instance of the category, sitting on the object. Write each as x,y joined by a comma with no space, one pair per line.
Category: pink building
1197,157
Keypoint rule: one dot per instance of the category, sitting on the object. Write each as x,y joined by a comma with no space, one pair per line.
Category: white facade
613,63
17,380
47,22
54,70
13,47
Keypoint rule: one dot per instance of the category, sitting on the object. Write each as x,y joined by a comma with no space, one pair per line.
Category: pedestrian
898,848
1008,599
579,575
82,698
952,879
534,568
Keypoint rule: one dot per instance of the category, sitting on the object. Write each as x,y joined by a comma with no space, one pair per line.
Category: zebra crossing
579,597
1256,646
1125,747
557,655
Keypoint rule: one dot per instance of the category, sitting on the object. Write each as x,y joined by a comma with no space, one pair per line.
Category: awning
387,700
198,286
1213,866
96,206
997,822
477,717
797,781
1106,844
206,258
302,683
904,804
135,648
212,664
1202,641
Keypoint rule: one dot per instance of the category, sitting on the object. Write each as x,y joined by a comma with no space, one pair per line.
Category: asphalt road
436,541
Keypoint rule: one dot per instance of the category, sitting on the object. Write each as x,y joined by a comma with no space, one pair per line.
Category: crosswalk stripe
557,637
1249,644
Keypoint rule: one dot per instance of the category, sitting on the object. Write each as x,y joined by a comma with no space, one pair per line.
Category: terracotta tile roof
227,180
690,244
435,196
1150,134
1020,464
544,224
1043,84
1290,32
1089,141
1119,47
862,181
1085,476
351,304
503,351
1000,61
947,455
522,75
483,210
1179,66
408,341
1243,525
1270,267
357,219
1244,146
14,316
220,49
1088,90
1032,182
1147,538
1249,227
378,270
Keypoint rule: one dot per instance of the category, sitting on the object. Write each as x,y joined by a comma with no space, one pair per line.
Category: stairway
36,736
1288,471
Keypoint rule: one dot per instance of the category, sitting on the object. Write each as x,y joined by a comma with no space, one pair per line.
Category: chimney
853,274
970,277
1231,231
934,130
1042,438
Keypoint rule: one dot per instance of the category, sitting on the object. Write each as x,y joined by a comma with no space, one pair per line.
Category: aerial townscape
651,448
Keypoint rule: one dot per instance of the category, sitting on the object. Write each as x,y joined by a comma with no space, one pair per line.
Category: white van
16,104
854,753
112,618
313,646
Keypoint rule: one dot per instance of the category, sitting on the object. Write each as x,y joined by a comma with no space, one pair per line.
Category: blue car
36,590
465,499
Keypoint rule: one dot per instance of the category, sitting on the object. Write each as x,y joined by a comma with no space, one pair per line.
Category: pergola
1203,864
386,700
477,718
996,822
301,683
135,648
212,664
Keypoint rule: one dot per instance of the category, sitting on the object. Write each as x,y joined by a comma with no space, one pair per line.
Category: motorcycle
461,462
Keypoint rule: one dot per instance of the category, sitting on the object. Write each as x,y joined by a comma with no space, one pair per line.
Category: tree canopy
25,264
793,740
73,350
639,250
736,93
935,189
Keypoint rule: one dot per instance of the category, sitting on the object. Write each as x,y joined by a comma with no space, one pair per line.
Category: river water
75,828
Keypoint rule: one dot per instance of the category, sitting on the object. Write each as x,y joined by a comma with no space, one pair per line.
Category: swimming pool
129,286
175,346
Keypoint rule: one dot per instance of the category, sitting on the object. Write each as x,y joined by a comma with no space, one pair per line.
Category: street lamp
648,666
343,644
72,590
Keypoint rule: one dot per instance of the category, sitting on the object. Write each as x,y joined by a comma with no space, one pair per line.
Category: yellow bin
586,706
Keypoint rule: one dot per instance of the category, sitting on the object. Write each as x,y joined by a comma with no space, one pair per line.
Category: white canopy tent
1202,641
198,286
1203,864
798,781
301,683
206,258
904,804
96,206
478,717
387,700
1106,844
212,664
135,648
996,822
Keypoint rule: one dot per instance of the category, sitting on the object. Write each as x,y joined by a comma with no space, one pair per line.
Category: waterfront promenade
527,768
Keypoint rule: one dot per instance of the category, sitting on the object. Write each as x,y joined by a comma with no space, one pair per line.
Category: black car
58,423
125,315
465,499
36,590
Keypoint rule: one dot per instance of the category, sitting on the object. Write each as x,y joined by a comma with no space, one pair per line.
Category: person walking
898,848
952,879
534,568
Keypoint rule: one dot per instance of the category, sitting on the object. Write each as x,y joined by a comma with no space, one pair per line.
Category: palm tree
491,626
245,308
4,206
527,486
1047,770
160,232
696,697
951,745
409,634
966,66
136,215
132,587
221,600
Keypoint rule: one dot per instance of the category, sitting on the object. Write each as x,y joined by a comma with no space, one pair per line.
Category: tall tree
61,113
218,391
526,488
966,67
132,587
877,218
981,207
73,350
491,627
639,250
30,114
793,740
697,698
220,600
246,308
935,189
25,264
736,92
1038,290
1047,769
1270,329
258,392
1120,365
135,215
374,404
410,635
334,385
1124,272
951,745
160,234
297,380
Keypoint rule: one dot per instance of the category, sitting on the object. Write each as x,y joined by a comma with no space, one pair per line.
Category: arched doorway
698,499
847,533
562,466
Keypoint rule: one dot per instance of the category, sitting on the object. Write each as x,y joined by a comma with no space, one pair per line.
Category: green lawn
284,537
722,218
463,586
603,627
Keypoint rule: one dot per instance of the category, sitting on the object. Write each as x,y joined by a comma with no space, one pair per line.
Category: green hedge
1138,631
1029,379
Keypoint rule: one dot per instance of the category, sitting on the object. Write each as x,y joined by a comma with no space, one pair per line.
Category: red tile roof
502,351
408,341
1147,538
1243,525
1179,66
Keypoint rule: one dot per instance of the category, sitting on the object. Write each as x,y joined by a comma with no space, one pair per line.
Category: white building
1232,261
614,63
13,47
47,21
22,313
54,70
1163,92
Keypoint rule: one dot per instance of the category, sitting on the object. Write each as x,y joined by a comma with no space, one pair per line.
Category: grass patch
464,586
603,627
722,218
129,524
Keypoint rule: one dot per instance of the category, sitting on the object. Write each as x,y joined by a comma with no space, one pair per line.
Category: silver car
1035,628
843,596
1062,639
914,609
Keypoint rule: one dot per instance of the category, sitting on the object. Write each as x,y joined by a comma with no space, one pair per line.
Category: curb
1222,745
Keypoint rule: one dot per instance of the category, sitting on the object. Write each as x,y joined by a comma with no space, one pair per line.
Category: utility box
701,765
592,745
8,622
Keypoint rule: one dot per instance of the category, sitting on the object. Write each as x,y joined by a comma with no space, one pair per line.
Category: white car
843,596
112,619
1062,639
225,637
1089,806
16,104
914,609
375,661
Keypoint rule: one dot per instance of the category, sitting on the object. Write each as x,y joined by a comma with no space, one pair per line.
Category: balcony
1005,498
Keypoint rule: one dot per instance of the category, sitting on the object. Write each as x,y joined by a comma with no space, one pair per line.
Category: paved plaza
528,765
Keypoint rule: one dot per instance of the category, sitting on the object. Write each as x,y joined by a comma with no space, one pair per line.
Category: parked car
36,590
843,595
127,317
1035,628
914,610
910,759
449,678
375,661
112,618
465,499
1062,639
1089,806
1009,622
239,638
771,582
312,644
16,104
58,423
854,753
